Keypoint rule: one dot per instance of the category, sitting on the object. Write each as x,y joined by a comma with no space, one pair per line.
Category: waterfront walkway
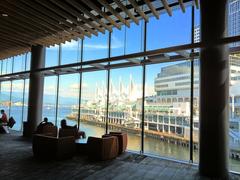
17,162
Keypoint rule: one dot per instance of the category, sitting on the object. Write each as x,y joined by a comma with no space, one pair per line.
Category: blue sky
165,32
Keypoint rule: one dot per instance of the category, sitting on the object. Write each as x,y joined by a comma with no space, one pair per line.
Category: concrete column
214,91
36,84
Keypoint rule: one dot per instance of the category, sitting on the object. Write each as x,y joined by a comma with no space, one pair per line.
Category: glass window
71,52
95,47
17,103
5,96
49,98
156,136
68,99
25,100
93,103
125,98
162,32
234,113
19,63
9,66
118,41
28,61
134,38
52,56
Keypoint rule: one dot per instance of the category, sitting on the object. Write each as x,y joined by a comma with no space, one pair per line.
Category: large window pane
49,98
93,103
125,99
95,47
71,52
19,63
28,61
167,110
162,32
5,96
134,38
26,93
9,66
17,103
234,112
52,56
68,99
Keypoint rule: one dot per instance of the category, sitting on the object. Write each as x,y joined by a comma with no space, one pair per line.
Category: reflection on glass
167,110
17,103
95,47
49,98
68,99
93,103
52,56
70,52
125,99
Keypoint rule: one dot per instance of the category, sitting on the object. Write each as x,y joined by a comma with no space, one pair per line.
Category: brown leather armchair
48,147
122,140
102,148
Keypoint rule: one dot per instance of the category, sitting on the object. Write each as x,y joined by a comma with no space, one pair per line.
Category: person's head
45,119
2,111
63,122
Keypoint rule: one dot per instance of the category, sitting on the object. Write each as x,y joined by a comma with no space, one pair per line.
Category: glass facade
162,125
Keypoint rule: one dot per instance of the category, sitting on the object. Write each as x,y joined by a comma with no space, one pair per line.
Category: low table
81,146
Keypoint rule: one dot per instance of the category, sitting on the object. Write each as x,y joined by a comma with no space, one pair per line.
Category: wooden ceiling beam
32,20
124,9
197,4
68,17
48,14
113,11
181,4
152,8
136,7
101,13
90,15
167,7
79,16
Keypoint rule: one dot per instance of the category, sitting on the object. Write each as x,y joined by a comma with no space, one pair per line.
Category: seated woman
64,125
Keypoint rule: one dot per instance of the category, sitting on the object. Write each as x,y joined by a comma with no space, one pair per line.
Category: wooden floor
17,162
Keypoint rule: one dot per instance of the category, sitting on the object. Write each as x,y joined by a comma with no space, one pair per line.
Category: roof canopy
24,23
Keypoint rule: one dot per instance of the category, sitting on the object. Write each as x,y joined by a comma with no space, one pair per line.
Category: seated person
42,124
64,125
3,122
3,119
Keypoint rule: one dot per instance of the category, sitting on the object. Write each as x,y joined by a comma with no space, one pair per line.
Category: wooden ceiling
24,23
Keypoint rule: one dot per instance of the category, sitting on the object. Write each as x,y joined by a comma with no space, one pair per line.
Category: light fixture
4,15
69,21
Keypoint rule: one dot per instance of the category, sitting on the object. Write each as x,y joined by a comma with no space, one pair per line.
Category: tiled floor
17,162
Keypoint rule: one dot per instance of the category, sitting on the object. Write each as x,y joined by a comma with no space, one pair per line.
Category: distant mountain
48,99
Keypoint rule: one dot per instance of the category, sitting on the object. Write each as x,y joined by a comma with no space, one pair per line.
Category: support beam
36,84
214,91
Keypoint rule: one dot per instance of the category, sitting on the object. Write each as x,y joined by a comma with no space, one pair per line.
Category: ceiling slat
149,4
135,5
100,12
167,7
107,6
131,16
182,5
85,11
